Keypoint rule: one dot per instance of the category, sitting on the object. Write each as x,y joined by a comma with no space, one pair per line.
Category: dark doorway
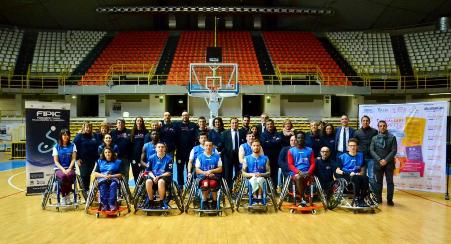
252,105
88,106
339,106
176,104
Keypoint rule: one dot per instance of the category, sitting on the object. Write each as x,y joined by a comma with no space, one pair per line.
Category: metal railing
310,76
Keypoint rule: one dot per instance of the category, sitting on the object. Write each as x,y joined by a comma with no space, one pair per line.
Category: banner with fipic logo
44,121
420,130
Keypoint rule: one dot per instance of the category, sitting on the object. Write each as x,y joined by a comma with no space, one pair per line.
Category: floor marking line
11,184
446,205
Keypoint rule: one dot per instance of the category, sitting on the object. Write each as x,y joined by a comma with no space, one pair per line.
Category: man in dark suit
261,127
231,141
342,135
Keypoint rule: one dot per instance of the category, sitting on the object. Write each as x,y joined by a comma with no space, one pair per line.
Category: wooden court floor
416,218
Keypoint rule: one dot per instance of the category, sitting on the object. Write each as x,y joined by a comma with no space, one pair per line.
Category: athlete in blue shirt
159,170
256,168
351,166
64,155
208,170
108,173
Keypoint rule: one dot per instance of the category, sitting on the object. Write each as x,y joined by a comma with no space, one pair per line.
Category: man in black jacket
186,138
383,149
272,144
231,141
168,133
325,167
364,136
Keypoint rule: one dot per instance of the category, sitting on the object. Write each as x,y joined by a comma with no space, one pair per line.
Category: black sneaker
213,205
390,203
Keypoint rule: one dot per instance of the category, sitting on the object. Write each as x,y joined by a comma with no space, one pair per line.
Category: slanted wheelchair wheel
337,194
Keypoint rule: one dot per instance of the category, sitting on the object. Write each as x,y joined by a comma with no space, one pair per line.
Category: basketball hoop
213,82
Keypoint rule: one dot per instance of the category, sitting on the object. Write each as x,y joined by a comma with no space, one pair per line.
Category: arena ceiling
349,14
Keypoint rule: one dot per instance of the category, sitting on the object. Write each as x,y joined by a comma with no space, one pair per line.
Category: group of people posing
361,156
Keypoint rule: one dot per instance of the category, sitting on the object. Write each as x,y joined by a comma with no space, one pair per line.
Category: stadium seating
429,52
138,52
237,47
368,53
61,52
293,49
10,41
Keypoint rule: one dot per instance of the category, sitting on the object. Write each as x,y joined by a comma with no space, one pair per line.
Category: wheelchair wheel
138,182
338,188
188,187
240,195
126,193
177,199
91,196
139,196
227,194
284,192
47,192
272,193
191,193
321,193
81,186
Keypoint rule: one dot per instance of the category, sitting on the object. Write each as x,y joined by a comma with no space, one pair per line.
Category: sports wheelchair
253,204
93,205
195,201
52,194
312,191
141,200
342,196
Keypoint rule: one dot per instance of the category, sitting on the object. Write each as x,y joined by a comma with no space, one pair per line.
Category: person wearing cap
64,155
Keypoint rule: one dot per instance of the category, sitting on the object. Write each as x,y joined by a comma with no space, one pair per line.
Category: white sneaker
68,201
63,201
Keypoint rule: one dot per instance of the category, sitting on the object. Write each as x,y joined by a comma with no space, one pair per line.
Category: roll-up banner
44,121
420,130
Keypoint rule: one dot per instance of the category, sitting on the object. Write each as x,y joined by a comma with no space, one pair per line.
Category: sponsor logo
48,114
432,109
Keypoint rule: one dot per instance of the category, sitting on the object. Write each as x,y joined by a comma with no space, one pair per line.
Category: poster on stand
420,130
43,121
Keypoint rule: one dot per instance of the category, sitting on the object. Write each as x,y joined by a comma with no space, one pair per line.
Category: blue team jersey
150,150
64,155
256,165
109,167
301,158
247,149
159,166
208,162
350,163
197,150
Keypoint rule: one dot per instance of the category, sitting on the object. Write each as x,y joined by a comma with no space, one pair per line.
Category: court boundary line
11,184
425,198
